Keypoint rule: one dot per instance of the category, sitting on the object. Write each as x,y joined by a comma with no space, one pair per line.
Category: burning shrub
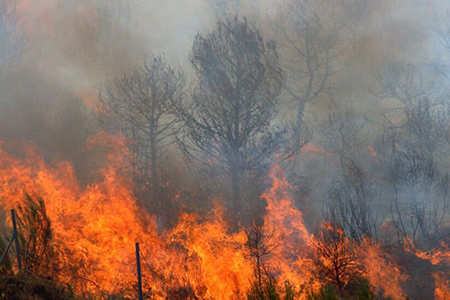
35,236
350,203
377,266
261,242
39,258
336,256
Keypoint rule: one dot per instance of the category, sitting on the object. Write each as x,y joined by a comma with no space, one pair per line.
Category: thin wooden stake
138,263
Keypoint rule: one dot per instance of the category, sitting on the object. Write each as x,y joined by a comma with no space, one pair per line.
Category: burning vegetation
249,171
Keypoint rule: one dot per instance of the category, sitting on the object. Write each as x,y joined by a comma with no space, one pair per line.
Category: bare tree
261,242
413,154
340,134
427,128
336,256
415,150
351,204
139,104
420,194
228,121
402,89
310,50
405,83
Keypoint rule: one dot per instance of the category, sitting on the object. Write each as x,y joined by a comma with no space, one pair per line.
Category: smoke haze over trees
350,97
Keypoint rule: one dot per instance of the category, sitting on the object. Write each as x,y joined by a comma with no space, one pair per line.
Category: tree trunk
154,170
235,164
236,191
299,123
258,269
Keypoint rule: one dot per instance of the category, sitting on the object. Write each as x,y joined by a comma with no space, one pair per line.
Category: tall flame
95,228
437,256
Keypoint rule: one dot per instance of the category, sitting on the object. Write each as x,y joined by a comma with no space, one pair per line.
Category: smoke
56,54
69,48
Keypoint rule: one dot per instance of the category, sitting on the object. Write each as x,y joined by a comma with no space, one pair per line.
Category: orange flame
378,268
435,257
95,228
294,256
372,152
442,284
313,151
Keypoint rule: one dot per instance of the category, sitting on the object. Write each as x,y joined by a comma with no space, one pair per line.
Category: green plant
264,291
360,291
269,290
363,291
289,293
327,292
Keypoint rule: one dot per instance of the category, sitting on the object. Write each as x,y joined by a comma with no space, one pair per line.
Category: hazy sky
72,46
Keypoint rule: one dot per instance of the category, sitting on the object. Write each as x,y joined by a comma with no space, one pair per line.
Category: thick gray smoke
364,84
69,47
55,54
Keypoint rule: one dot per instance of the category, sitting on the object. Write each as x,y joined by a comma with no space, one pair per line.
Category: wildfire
313,151
442,286
95,228
293,257
435,256
372,152
382,274
438,256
